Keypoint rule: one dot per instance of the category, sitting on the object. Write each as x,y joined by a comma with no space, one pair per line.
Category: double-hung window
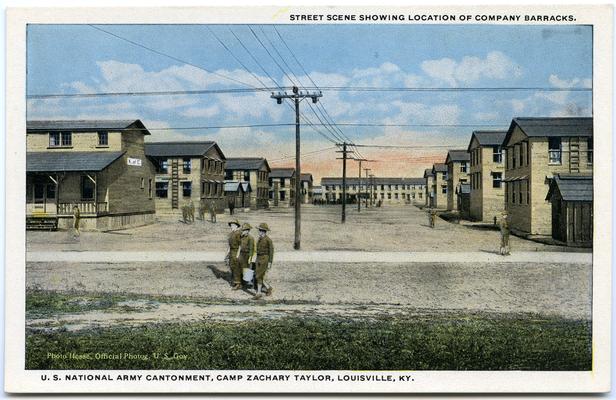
555,150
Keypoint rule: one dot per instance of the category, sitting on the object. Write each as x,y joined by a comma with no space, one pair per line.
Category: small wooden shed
572,209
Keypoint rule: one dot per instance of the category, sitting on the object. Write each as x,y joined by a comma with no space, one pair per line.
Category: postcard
309,199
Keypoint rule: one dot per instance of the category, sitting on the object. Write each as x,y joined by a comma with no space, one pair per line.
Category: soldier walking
265,257
504,234
231,206
212,208
232,256
247,251
191,211
432,218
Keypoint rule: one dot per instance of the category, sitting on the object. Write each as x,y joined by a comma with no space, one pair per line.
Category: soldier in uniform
76,220
432,216
191,211
247,251
212,208
265,257
504,234
232,255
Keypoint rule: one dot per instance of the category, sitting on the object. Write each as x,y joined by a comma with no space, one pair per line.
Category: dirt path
327,288
392,228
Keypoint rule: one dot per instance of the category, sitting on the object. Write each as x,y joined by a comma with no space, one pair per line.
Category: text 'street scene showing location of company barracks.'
309,196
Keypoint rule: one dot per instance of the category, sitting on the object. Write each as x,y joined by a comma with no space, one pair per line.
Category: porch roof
70,161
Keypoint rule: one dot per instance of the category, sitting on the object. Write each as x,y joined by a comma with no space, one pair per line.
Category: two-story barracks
98,166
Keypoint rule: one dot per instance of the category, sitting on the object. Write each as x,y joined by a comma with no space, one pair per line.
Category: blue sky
81,59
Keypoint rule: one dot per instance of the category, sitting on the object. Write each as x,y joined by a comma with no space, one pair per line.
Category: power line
448,89
254,58
169,56
304,154
393,146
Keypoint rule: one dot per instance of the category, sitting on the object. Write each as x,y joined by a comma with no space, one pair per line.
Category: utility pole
367,185
372,190
297,96
359,191
344,159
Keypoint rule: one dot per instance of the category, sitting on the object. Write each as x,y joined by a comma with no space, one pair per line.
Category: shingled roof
246,163
551,127
44,126
70,161
282,173
457,156
488,138
305,177
180,149
571,187
439,167
428,172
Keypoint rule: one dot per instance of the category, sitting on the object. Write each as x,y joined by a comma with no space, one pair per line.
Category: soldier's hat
234,221
263,227
246,227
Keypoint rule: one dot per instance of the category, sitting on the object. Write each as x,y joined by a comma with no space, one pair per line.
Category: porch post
96,193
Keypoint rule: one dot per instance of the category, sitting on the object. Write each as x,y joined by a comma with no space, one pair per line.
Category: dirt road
311,288
392,228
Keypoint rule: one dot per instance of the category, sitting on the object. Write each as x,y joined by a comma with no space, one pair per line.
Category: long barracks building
388,190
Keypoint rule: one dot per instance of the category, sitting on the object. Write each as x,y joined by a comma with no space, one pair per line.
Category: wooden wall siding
81,141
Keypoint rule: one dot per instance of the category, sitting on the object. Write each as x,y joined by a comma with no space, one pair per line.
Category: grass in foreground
455,342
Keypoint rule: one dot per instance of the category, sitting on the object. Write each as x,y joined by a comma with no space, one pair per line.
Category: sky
71,59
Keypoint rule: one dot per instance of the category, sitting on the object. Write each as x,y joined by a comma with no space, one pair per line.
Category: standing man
212,211
76,220
231,205
504,234
191,211
265,257
232,256
247,251
432,218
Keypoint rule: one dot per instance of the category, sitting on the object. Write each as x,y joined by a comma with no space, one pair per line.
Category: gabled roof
70,161
246,163
571,187
463,188
43,126
457,156
439,167
235,186
306,177
428,172
180,149
488,138
282,173
551,127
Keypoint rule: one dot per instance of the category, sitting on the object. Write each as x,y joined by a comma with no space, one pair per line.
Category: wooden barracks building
187,171
96,165
457,162
537,149
388,190
254,170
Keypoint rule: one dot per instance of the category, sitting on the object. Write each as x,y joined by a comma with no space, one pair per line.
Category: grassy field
435,342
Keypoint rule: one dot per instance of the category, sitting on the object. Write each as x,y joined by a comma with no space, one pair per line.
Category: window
420,194
497,154
186,189
202,189
186,165
382,195
161,189
326,187
463,167
527,192
507,159
67,138
519,192
353,187
150,188
497,179
57,139
444,189
396,196
513,187
87,188
396,187
520,148
389,196
229,175
103,138
54,139
444,176
514,155
163,166
282,195
590,149
554,150
382,187
142,183
246,176
524,155
282,183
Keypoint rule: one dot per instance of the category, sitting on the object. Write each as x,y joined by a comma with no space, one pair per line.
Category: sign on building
134,161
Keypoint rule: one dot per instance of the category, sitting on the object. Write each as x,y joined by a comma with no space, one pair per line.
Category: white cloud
410,113
203,112
496,65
